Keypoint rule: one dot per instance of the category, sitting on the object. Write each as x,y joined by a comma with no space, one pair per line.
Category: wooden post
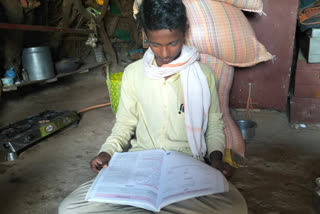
106,41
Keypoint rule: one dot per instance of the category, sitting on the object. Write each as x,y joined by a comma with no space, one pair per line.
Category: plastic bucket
247,128
38,63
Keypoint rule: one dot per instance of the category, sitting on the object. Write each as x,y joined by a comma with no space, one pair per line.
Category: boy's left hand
216,162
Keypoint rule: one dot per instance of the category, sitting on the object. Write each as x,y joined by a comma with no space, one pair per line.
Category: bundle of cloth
309,14
225,39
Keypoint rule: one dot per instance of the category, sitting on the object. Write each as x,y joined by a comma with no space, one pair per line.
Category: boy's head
165,24
163,14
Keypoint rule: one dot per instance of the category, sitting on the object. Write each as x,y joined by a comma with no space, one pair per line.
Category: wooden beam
43,28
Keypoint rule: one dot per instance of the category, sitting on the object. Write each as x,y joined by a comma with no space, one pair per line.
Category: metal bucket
316,196
38,63
247,128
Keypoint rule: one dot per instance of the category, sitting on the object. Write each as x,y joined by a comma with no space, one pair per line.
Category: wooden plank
101,29
43,28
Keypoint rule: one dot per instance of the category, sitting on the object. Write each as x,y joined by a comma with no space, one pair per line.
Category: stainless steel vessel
38,63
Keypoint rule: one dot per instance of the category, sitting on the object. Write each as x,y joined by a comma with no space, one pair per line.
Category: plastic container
38,63
98,52
10,73
7,81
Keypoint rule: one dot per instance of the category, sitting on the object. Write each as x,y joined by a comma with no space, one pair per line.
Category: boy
168,101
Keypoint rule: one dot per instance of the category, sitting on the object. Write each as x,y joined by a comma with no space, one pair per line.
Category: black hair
163,14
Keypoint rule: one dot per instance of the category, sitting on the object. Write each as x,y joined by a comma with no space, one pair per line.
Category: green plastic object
114,9
122,35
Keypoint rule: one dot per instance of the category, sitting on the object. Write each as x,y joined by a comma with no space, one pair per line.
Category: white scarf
195,91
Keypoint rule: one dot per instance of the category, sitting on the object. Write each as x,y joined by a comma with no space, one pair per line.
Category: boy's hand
217,162
100,161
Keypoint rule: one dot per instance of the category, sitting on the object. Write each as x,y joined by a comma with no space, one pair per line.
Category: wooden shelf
82,69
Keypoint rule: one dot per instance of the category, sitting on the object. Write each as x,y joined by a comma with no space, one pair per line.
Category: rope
249,106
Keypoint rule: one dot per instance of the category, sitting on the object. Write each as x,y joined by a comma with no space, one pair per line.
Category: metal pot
38,63
67,65
10,154
247,128
316,196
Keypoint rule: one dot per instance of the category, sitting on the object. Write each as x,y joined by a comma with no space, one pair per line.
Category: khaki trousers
230,202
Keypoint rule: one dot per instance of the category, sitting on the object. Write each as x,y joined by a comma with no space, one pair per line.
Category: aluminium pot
38,63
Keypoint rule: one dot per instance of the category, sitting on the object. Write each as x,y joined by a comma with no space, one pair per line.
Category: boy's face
165,44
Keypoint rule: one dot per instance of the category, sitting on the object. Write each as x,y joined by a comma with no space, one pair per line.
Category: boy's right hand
100,161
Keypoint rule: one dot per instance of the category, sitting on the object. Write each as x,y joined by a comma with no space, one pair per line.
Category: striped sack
224,74
221,30
246,5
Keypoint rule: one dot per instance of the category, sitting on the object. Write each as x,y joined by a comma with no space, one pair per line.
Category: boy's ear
187,27
187,32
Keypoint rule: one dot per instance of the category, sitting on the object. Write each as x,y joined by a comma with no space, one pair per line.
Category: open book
152,179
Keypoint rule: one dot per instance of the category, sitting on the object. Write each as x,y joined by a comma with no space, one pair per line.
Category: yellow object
100,2
114,88
228,158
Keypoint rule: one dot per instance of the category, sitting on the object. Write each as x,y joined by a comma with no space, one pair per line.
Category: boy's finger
98,161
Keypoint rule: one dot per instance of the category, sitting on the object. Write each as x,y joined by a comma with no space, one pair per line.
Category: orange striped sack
247,5
221,30
224,75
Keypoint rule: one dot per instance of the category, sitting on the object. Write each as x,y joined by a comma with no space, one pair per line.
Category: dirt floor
283,160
